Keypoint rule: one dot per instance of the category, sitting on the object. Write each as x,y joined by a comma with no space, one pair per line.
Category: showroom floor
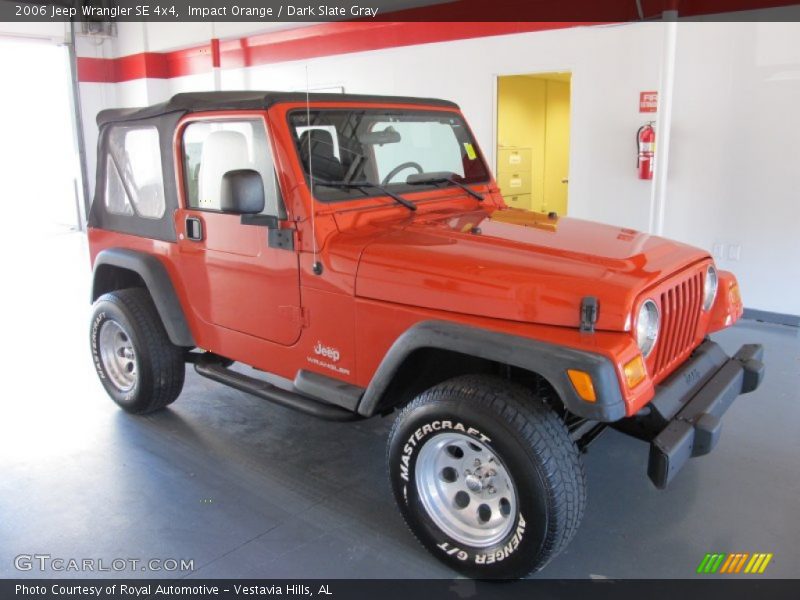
248,489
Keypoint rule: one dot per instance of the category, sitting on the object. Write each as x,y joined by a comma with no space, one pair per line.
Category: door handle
565,180
194,229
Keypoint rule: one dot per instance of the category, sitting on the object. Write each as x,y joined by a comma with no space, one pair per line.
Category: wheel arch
433,351
118,268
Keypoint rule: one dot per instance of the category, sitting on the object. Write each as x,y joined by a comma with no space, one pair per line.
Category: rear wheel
486,476
137,364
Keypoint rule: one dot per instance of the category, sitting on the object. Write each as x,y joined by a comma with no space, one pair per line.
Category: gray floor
247,489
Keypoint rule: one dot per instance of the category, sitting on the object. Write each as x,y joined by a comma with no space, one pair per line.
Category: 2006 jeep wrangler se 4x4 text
357,253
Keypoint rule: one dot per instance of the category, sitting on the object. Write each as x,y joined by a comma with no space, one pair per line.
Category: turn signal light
635,371
734,296
582,382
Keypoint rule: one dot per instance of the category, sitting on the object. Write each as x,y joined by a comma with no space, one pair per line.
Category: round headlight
647,327
710,287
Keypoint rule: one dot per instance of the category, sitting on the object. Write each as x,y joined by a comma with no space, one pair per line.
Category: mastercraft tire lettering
138,366
486,476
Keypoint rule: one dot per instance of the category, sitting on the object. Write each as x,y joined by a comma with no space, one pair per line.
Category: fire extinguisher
646,146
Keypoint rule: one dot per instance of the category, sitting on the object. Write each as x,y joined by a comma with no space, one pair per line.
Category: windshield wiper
441,177
360,185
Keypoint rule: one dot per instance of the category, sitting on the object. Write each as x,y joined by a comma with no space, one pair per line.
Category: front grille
680,312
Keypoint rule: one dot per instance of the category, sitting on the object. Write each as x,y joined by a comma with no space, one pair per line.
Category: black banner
366,589
588,11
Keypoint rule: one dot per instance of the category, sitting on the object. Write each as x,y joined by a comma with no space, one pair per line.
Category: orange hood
518,266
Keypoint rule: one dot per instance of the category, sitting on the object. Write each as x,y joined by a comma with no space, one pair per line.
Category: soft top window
382,147
134,181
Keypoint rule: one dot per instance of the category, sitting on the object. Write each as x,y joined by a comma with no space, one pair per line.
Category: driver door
235,274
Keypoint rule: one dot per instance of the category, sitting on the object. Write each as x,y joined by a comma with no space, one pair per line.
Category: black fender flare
159,284
551,361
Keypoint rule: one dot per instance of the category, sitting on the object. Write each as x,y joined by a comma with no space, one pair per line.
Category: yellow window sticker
470,151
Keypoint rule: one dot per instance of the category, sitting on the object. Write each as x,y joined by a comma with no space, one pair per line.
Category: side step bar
266,391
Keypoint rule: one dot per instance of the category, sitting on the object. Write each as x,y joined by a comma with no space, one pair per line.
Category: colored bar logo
731,564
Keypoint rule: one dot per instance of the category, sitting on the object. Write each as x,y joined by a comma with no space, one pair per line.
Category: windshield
383,147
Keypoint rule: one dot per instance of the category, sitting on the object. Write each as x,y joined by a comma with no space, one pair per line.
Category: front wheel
486,476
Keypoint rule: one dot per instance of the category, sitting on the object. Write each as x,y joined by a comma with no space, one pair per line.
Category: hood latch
590,309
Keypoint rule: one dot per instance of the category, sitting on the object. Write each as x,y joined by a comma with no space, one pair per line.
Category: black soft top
248,100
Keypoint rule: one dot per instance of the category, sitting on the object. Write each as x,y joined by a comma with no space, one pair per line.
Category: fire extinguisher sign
648,102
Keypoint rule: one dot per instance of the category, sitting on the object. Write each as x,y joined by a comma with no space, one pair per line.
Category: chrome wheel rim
118,355
466,489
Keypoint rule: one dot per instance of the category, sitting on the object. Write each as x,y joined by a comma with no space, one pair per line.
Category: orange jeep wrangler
356,252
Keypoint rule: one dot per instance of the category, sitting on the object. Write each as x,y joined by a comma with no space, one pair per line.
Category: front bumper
688,405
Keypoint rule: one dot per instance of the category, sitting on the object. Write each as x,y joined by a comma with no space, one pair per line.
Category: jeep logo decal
327,351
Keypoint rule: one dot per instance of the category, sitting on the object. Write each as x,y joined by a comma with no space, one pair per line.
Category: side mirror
242,192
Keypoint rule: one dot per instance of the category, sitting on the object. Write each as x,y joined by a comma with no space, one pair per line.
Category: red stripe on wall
326,39
135,66
216,61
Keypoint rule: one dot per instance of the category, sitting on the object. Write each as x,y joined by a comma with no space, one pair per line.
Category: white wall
734,171
733,165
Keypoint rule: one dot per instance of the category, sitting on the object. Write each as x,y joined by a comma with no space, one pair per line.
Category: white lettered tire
140,369
486,476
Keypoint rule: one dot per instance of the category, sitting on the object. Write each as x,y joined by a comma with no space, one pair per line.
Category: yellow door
556,147
533,140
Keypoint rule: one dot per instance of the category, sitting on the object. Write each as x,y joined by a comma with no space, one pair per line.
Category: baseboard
771,317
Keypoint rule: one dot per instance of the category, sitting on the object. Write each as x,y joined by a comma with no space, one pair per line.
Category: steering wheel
402,167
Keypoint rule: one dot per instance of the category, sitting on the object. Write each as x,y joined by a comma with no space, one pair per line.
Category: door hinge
281,238
295,314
